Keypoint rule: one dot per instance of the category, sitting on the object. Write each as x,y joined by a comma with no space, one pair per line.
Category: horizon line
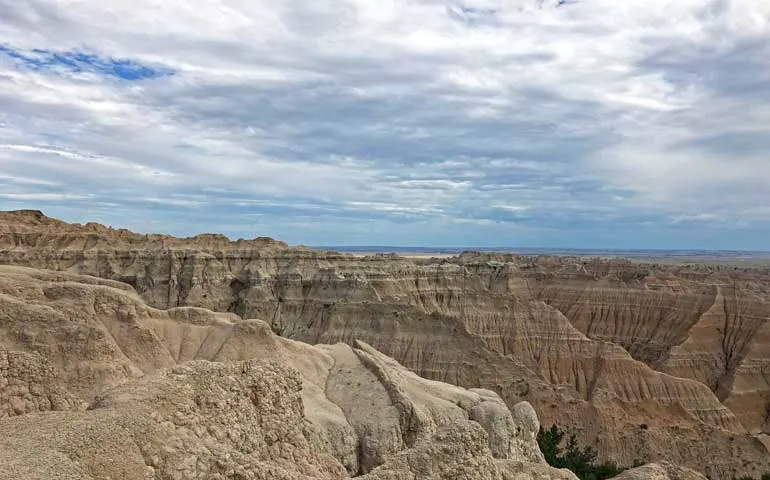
512,249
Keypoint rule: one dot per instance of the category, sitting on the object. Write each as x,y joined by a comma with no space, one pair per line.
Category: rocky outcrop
660,471
458,451
29,384
268,407
197,420
710,329
32,229
217,421
635,359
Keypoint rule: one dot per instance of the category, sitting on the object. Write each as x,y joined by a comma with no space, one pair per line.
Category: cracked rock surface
137,392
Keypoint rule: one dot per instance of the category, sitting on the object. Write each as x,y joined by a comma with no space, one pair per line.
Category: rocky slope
267,408
660,471
706,324
644,362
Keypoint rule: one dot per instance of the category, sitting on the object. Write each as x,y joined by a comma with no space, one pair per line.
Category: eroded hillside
96,384
644,362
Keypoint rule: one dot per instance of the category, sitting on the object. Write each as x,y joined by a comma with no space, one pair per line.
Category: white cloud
429,110
511,208
43,197
176,202
25,181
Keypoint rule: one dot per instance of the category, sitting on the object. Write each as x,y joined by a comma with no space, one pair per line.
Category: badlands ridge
147,356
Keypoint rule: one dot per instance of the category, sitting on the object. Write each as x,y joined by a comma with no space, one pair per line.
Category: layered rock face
708,324
661,471
267,408
643,362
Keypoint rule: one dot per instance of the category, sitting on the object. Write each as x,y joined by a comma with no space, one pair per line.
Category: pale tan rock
513,470
276,408
458,451
527,425
198,420
371,413
660,471
29,384
589,343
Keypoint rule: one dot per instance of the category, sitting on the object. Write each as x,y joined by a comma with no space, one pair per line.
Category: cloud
511,208
602,123
44,197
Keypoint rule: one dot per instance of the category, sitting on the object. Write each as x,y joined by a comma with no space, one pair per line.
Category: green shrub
581,461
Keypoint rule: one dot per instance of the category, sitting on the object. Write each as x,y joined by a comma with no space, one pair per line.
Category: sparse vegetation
581,461
765,476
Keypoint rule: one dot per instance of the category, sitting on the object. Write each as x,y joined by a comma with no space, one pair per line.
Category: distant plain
738,258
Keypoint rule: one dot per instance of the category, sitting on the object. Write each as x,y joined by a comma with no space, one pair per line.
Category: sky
537,123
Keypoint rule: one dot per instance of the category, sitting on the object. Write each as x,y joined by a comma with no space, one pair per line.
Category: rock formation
644,362
29,384
265,408
660,471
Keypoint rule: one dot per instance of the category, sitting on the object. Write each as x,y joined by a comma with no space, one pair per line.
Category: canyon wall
96,384
643,362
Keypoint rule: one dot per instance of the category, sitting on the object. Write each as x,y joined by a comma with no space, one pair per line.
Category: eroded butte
644,362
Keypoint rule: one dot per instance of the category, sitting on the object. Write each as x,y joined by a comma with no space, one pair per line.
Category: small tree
549,441
580,461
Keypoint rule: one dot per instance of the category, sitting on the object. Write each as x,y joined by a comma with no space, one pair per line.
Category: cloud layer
517,123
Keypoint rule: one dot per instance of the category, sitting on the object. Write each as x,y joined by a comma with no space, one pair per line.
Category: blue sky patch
81,62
